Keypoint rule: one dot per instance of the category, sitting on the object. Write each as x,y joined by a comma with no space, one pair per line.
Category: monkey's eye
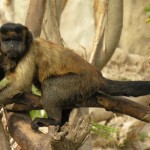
17,39
6,40
12,39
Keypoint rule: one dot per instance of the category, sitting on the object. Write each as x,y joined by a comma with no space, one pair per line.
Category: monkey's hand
7,93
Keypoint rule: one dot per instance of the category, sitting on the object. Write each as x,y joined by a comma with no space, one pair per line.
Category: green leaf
103,130
38,113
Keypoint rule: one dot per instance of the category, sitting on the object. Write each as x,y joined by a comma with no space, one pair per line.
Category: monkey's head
15,40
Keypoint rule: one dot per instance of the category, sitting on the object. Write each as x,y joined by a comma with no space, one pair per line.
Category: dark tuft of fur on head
18,28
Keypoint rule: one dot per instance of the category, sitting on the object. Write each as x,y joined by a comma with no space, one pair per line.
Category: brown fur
51,60
63,76
54,60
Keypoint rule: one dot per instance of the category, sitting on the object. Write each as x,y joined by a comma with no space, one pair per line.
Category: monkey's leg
54,113
52,105
40,122
59,91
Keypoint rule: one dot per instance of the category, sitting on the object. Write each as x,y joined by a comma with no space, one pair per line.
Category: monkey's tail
126,88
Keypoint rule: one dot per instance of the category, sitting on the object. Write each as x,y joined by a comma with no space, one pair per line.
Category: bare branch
125,106
115,104
50,23
107,38
60,7
36,8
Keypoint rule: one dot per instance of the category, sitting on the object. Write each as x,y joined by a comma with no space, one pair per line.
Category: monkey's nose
11,46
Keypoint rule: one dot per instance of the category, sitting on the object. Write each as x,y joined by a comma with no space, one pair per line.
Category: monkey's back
53,60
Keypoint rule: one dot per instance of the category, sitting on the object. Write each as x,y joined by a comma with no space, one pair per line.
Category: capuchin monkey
62,76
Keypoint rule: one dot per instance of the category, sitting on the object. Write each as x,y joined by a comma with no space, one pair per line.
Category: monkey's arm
8,92
20,80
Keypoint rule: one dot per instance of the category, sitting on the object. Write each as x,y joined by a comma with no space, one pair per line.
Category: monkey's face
12,47
14,40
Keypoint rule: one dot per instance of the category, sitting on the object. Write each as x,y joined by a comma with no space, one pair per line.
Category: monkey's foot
41,122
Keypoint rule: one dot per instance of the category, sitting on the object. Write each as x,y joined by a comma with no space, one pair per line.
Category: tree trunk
108,31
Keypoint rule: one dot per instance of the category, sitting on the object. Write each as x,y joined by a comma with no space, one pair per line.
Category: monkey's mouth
12,55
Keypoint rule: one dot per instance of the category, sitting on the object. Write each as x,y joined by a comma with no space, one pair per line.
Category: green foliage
104,131
38,113
147,11
36,91
143,136
3,82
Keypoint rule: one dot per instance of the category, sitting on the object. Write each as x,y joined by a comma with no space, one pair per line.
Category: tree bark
67,138
4,140
60,5
50,23
35,15
107,32
110,103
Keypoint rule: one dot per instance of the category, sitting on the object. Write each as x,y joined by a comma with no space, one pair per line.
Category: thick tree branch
71,137
115,104
68,137
107,31
60,7
35,16
125,106
20,129
50,23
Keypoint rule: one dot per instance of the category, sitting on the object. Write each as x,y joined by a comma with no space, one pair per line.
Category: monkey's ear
29,37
